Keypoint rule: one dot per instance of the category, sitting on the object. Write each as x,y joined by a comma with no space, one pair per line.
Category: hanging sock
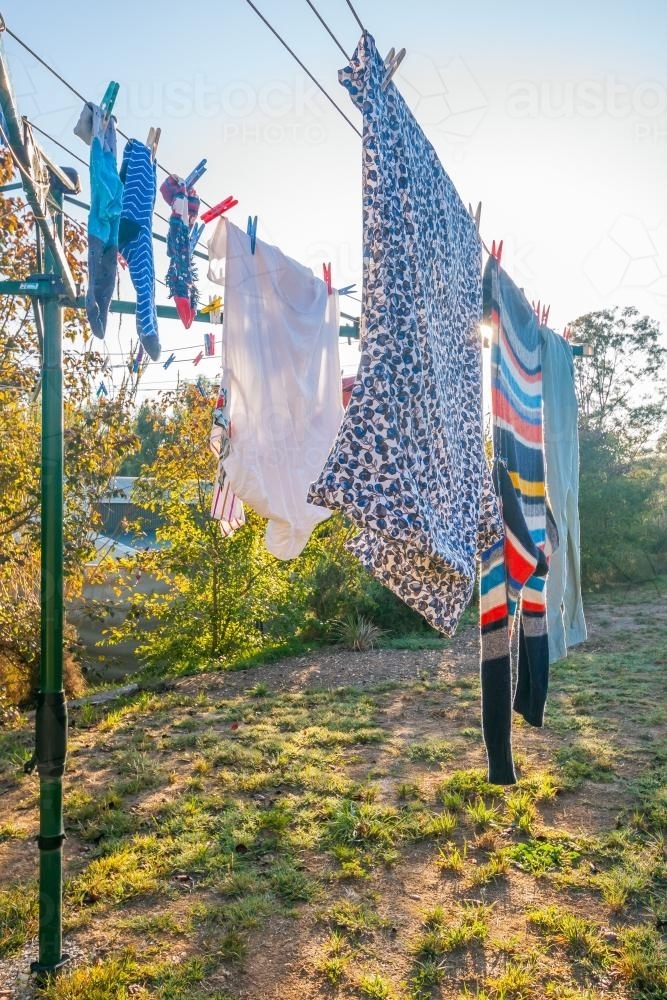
182,275
106,197
135,237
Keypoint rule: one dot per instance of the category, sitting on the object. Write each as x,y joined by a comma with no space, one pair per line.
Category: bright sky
553,115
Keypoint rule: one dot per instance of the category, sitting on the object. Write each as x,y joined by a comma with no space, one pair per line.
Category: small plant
579,936
442,825
521,811
332,967
375,987
468,785
352,919
259,690
515,982
408,791
643,963
540,856
451,859
431,751
496,867
481,814
357,633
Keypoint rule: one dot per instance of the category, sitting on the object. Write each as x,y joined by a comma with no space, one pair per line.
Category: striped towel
515,569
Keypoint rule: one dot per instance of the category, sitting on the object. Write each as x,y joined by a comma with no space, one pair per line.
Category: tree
622,427
96,431
621,387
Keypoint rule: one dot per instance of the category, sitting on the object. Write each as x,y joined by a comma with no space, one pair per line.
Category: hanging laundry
519,565
280,385
135,237
182,274
226,507
408,466
347,385
106,198
566,625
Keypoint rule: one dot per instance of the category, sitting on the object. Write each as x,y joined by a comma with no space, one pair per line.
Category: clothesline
78,94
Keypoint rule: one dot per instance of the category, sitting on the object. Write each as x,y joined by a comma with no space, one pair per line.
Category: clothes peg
196,360
326,271
101,390
209,345
567,333
153,139
348,290
219,209
214,309
213,304
139,358
545,315
109,99
252,232
392,62
122,261
497,251
476,215
195,174
201,388
197,230
172,357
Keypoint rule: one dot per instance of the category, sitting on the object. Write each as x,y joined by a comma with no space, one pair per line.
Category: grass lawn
268,833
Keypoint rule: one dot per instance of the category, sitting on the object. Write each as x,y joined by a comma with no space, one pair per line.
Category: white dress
280,403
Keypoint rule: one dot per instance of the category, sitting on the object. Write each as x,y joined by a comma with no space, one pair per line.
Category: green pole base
43,971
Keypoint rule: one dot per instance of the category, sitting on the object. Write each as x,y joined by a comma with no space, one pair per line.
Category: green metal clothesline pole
51,722
49,290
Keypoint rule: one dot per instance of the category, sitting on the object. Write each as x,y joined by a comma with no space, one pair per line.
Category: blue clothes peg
197,230
172,357
109,99
348,290
201,388
101,390
139,358
195,174
252,232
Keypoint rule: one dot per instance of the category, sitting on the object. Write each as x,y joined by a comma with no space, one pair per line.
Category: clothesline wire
356,16
303,67
76,92
80,159
326,27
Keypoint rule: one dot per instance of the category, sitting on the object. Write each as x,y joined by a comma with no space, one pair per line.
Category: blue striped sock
135,238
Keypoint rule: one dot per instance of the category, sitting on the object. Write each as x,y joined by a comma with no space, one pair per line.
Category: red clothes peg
326,270
198,358
497,251
219,209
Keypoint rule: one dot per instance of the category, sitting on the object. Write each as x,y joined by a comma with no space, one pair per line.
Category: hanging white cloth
280,398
